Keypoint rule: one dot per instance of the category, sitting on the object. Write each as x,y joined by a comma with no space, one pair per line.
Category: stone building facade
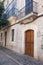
25,32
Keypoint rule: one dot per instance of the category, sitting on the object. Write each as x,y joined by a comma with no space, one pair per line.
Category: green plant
3,21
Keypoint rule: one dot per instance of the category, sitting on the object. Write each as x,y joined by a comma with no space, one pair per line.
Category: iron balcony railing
30,7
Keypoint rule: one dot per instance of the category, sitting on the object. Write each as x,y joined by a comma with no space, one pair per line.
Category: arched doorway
29,43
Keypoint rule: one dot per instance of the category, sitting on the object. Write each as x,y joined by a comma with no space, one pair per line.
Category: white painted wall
39,6
20,4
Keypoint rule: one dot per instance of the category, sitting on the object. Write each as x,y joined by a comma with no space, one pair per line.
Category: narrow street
8,57
5,59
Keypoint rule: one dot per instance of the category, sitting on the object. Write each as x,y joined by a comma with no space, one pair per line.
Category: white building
25,32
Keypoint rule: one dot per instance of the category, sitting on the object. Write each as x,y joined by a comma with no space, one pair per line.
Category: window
13,6
28,6
12,34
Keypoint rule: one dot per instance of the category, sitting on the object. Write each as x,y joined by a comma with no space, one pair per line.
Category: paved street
8,57
5,60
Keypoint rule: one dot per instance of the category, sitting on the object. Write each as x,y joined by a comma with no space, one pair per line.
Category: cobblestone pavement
5,60
8,57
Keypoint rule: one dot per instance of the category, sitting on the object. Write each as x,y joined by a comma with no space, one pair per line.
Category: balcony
29,9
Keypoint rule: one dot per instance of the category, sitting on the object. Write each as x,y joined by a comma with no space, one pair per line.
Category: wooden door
5,38
29,43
